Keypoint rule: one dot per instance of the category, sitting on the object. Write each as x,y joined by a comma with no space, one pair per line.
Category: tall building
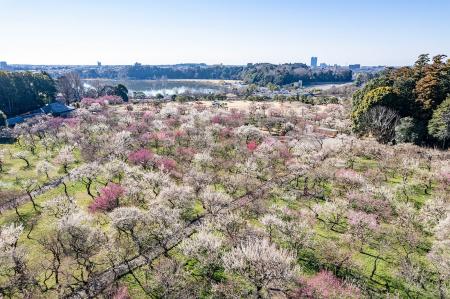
3,65
313,61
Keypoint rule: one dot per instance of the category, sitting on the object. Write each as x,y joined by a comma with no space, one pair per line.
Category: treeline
408,104
265,73
261,74
21,92
189,71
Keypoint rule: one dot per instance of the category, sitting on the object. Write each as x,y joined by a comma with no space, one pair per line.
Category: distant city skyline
5,64
213,32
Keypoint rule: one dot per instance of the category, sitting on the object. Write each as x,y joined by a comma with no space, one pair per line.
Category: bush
121,91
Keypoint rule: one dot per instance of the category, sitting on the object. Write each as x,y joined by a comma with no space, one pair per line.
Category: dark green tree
439,125
121,91
22,92
380,96
409,130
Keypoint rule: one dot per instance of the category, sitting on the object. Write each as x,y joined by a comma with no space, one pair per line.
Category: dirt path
14,202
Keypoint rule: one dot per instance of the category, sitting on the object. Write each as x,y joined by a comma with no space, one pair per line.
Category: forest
408,104
283,74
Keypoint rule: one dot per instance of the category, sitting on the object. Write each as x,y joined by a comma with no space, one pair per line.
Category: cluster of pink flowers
108,199
252,145
325,285
217,119
141,157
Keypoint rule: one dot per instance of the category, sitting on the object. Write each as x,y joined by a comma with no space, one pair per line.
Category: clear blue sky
370,32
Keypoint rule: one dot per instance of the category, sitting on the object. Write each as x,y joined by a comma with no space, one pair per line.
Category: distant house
55,109
15,120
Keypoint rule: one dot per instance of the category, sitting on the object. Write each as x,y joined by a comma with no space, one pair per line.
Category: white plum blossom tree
263,264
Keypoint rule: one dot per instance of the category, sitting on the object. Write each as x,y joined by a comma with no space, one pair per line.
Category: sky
369,32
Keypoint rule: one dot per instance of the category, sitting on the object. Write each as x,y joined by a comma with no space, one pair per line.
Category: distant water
166,87
326,86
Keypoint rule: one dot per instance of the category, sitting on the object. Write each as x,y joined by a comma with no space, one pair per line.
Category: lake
172,87
326,86
169,87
